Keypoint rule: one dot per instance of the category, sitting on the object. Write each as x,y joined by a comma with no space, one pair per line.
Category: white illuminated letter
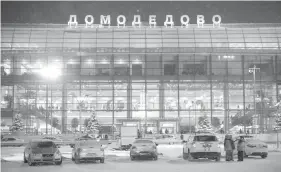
123,20
91,22
152,20
200,21
136,21
72,20
216,20
105,20
184,23
169,21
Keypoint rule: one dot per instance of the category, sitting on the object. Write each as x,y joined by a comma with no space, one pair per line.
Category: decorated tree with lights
204,124
93,126
18,124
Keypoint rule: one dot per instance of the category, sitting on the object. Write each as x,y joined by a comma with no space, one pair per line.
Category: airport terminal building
155,78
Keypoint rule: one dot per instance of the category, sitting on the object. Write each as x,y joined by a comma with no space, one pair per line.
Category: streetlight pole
254,70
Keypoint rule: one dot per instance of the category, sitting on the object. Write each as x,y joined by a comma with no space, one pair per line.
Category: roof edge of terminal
191,26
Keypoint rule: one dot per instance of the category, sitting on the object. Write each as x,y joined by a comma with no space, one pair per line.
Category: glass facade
147,75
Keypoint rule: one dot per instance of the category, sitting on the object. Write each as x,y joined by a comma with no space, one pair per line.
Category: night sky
59,12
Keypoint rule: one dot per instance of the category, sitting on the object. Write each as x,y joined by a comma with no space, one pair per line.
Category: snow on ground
271,164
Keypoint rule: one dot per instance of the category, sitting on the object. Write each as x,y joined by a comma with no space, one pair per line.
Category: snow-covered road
271,164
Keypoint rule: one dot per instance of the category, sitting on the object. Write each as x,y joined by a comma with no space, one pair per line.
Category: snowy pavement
16,153
271,164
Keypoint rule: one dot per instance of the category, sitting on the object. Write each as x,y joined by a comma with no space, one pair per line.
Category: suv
202,146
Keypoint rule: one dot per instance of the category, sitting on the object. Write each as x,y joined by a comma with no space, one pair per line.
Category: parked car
253,147
85,137
42,151
88,150
12,141
143,148
166,139
202,146
56,140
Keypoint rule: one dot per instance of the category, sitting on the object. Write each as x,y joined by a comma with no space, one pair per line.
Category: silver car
143,148
42,151
12,141
88,150
56,140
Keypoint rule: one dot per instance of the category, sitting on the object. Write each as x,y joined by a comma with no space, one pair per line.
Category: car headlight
251,145
82,153
57,154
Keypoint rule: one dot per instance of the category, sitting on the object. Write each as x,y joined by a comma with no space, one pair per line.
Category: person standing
228,147
241,148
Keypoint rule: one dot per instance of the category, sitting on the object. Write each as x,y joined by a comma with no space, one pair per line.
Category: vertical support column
64,108
129,99
243,80
226,99
46,110
111,65
161,99
211,84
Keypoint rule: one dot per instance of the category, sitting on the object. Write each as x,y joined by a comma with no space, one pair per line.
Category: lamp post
253,71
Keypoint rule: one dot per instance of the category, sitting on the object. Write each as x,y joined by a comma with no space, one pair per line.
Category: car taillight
193,144
251,146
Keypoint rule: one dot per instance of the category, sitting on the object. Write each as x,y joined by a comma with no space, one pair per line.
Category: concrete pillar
161,100
64,109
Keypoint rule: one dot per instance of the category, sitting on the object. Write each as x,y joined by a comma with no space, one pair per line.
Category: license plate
91,154
143,153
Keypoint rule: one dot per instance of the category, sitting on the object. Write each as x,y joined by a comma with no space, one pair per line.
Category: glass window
153,66
205,138
137,65
121,65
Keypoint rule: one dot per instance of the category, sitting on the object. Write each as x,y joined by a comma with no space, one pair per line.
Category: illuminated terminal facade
155,78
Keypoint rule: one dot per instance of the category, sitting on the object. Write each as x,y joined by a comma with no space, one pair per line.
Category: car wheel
184,155
24,160
263,156
190,157
132,158
29,161
77,160
102,160
155,158
218,158
59,163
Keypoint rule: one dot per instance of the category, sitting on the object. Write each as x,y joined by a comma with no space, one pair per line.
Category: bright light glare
51,72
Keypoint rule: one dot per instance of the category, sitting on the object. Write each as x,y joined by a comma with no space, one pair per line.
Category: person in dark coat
228,147
241,148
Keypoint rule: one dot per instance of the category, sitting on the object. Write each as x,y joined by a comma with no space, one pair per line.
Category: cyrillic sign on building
105,21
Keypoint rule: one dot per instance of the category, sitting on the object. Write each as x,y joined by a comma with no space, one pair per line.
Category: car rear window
144,141
42,144
89,143
205,138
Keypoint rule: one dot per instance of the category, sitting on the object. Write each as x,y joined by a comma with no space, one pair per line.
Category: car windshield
42,144
205,138
89,143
